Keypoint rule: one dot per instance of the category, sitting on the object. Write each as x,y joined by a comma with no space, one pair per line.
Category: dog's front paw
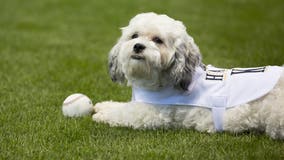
98,116
107,111
98,106
103,105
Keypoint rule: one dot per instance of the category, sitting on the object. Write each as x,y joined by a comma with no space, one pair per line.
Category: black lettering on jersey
247,70
217,75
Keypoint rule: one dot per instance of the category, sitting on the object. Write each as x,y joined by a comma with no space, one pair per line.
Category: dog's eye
135,35
157,40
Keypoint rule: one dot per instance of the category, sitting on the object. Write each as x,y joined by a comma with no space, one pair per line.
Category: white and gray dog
173,88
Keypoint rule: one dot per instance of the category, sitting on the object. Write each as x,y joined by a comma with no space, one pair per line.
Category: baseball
77,105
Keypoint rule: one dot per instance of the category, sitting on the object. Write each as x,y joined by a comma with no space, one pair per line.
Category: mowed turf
50,49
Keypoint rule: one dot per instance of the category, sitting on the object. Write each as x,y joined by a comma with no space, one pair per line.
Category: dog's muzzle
138,49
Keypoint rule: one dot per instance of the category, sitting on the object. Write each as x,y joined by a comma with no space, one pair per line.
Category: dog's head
154,51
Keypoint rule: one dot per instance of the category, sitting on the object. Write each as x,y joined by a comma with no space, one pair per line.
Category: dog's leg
242,118
108,112
199,118
273,111
275,123
132,114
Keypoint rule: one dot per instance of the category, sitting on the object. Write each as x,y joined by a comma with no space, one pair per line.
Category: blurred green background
50,49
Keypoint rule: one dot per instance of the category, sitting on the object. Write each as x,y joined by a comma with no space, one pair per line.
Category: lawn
50,49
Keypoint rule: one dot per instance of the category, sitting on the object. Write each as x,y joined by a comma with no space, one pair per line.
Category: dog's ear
115,69
187,57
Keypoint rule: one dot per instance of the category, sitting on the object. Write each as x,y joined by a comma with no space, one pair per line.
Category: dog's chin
140,72
137,67
137,57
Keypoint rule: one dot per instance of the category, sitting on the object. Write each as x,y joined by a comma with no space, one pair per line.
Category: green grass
50,49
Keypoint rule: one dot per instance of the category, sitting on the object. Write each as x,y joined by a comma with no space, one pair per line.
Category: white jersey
217,89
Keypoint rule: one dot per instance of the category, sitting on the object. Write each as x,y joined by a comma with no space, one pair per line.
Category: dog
172,88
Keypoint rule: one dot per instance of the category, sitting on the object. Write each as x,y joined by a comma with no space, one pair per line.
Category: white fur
165,65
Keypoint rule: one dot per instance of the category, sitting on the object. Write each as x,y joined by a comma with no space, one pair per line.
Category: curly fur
177,57
172,64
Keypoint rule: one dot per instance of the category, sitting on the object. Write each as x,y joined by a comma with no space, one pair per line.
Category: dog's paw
102,105
107,111
98,117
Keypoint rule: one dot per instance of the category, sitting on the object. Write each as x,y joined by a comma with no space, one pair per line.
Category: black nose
138,48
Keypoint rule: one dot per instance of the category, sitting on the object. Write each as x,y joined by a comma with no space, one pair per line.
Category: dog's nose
138,48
